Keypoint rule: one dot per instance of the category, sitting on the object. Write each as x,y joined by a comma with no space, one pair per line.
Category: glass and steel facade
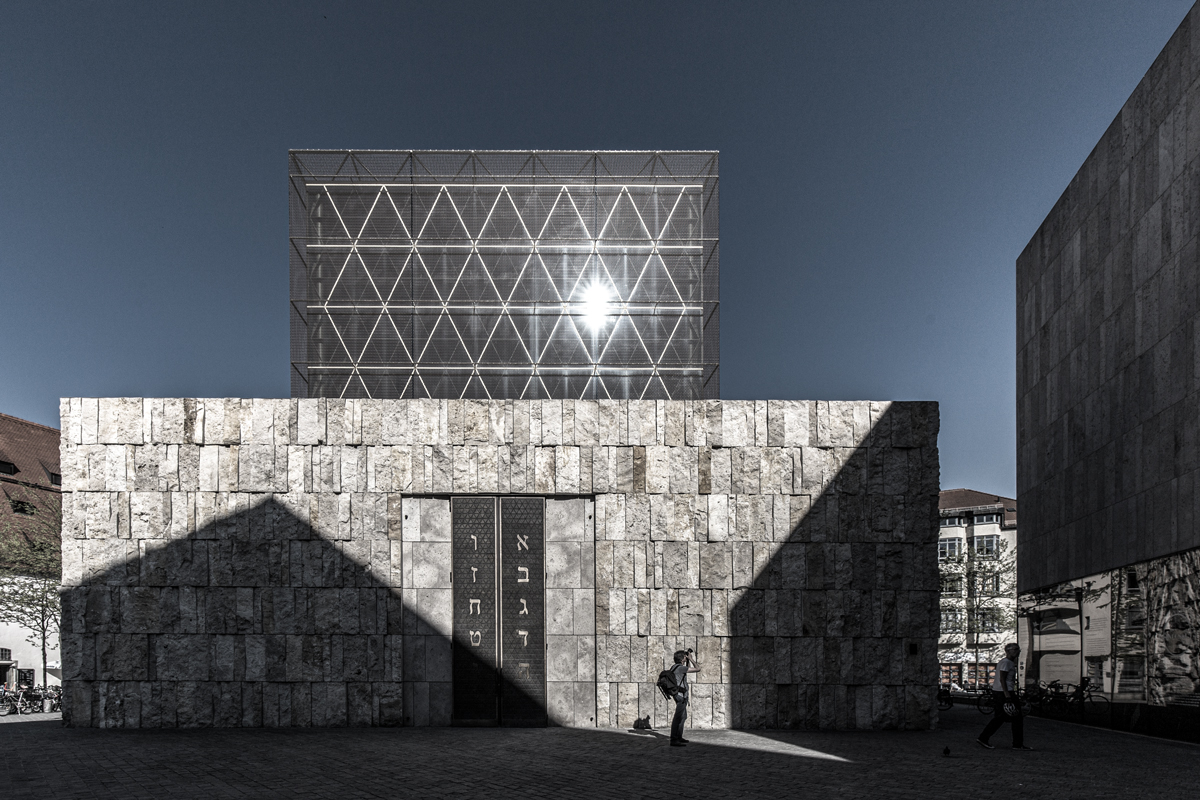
517,274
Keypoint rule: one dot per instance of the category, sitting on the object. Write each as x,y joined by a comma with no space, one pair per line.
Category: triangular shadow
821,637
257,620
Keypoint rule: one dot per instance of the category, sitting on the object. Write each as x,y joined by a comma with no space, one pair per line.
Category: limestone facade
238,562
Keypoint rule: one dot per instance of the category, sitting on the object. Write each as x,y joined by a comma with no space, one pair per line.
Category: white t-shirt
1009,666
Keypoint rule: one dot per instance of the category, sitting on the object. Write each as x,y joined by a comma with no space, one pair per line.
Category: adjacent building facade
30,503
504,275
977,552
1108,411
431,562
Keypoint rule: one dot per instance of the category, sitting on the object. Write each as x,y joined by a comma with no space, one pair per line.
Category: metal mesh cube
515,274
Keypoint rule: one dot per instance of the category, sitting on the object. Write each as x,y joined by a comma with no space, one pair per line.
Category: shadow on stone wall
827,615
254,620
822,637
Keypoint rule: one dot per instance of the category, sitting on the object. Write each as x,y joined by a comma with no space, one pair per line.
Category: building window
951,674
8,468
22,507
55,479
980,676
987,519
989,620
951,522
1131,677
952,620
987,546
952,585
5,654
1135,617
987,584
949,548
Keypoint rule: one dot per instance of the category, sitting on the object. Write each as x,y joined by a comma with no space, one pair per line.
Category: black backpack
667,683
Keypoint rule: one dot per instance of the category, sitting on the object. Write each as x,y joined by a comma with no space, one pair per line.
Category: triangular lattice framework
504,274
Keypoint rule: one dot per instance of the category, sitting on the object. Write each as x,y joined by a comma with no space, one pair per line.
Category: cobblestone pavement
38,758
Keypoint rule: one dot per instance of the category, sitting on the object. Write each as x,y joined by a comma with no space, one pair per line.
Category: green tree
31,566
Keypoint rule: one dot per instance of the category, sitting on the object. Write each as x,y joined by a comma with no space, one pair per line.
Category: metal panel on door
476,656
523,611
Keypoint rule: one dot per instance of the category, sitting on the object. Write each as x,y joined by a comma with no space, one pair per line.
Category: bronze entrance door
499,581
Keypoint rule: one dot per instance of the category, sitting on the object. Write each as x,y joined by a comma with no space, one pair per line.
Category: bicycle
986,704
1056,697
8,703
1036,697
944,699
1090,702
1065,698
29,701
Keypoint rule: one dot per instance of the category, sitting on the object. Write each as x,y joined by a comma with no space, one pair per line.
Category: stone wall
571,612
1108,390
287,562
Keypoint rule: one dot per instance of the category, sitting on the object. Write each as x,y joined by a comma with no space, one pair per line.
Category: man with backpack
684,663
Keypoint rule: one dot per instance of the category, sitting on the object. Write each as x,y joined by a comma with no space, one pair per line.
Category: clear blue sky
882,165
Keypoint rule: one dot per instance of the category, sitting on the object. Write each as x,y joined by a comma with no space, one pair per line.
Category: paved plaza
40,759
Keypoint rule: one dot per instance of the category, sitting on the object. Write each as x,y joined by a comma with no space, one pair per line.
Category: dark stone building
1108,410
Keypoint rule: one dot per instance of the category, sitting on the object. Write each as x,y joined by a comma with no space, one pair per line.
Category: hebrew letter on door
523,610
473,533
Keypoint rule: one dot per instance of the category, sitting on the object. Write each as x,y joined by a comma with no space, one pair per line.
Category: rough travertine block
607,426
120,421
721,470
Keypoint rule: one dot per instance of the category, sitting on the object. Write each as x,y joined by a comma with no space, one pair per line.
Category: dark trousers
999,718
680,716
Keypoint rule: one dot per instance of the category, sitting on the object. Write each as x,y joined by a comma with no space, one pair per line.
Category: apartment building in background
30,496
977,545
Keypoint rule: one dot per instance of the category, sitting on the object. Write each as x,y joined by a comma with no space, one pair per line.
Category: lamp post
1082,662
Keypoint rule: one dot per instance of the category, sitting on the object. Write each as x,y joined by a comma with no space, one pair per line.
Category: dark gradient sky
882,166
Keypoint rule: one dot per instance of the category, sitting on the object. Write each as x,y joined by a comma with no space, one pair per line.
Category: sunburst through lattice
504,275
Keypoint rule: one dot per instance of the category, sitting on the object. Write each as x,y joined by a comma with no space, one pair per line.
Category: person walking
684,664
1006,702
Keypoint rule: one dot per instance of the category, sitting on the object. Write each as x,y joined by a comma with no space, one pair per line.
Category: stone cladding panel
238,562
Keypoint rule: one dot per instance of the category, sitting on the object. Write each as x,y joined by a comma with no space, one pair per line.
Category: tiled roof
33,449
969,498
